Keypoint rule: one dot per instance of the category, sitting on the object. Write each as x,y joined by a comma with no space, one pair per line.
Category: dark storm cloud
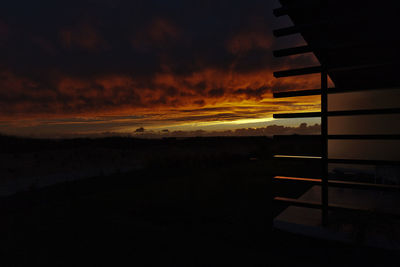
75,57
133,37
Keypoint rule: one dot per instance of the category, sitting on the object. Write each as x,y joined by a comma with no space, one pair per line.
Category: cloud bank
84,59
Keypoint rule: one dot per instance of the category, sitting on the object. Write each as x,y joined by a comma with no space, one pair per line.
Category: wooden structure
357,47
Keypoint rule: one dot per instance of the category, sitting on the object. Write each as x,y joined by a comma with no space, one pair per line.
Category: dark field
192,202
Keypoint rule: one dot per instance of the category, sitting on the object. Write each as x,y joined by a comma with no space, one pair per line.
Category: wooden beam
292,51
341,184
297,115
309,92
364,137
364,162
334,207
282,11
299,28
339,113
297,72
297,93
338,161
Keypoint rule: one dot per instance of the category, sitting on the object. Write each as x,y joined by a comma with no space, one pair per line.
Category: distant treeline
10,144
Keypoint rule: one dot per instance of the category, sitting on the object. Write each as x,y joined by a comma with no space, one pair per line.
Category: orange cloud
244,42
123,94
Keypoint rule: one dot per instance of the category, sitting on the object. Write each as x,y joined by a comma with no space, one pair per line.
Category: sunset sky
101,66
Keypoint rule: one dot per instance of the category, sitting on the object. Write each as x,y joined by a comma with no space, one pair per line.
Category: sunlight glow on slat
296,157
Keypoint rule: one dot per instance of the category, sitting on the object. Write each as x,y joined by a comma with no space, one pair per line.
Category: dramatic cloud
68,59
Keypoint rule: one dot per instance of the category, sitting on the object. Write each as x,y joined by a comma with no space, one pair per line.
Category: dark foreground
176,212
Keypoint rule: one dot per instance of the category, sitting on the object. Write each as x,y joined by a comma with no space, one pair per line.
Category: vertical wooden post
324,136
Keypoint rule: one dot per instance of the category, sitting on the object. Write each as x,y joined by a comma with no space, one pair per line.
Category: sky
93,67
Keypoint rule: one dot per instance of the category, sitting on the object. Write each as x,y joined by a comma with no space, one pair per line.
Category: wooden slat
365,137
295,93
286,31
338,113
297,115
365,162
341,137
342,184
297,72
384,111
297,157
298,29
298,179
339,161
318,69
292,51
366,186
297,7
282,11
333,207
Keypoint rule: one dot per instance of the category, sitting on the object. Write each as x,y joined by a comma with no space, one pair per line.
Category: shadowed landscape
199,133
191,202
